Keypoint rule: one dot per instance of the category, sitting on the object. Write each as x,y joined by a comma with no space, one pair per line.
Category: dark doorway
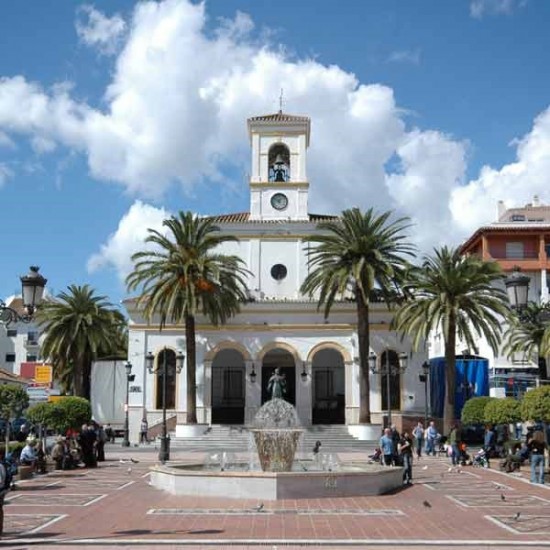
228,388
285,361
328,397
391,358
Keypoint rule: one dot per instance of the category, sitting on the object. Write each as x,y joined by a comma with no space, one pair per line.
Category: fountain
275,434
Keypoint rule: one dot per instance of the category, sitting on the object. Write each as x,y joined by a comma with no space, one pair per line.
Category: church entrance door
329,390
228,388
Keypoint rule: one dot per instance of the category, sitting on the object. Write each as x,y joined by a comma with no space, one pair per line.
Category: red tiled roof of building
7,376
279,117
512,227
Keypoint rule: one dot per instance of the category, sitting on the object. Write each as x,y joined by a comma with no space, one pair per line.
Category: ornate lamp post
33,286
517,287
164,453
424,378
129,378
388,370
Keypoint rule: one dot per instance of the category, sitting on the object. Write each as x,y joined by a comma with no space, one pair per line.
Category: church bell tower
278,181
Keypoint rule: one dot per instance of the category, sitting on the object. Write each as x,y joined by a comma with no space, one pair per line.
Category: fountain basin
352,479
276,447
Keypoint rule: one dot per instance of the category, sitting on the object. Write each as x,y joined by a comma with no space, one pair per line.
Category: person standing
406,450
143,431
431,436
453,442
418,434
386,445
3,489
537,446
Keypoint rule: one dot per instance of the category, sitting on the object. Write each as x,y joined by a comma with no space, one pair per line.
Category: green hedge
502,411
473,411
535,404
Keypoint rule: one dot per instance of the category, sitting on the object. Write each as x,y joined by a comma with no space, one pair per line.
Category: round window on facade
278,272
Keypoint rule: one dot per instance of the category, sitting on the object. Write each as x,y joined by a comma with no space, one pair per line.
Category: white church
278,327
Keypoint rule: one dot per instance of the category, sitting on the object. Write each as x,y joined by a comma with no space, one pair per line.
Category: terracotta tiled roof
279,117
512,227
7,376
16,302
244,217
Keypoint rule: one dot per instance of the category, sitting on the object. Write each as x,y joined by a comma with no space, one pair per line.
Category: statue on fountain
276,385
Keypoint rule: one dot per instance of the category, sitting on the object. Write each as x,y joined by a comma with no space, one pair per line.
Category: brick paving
114,505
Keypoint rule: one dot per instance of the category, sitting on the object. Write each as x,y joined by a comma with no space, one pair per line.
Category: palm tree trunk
77,377
450,377
190,344
363,336
86,378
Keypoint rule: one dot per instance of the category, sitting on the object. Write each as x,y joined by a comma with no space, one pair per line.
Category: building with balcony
519,238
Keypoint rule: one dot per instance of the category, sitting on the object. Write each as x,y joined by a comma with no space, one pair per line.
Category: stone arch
279,162
278,345
330,345
228,344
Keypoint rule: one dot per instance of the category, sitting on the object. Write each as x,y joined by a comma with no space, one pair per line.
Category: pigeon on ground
260,507
502,497
426,504
516,517
134,461
424,467
450,469
129,470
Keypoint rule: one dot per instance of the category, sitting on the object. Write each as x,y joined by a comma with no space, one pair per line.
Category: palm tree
79,327
528,333
183,276
454,294
357,253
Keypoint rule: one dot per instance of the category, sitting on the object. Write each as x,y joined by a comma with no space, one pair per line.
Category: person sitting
58,452
28,454
513,461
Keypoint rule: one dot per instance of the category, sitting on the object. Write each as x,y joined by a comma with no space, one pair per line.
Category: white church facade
278,326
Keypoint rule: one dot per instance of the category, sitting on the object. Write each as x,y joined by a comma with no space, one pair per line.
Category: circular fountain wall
276,434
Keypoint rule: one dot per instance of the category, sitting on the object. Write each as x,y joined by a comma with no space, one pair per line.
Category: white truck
108,392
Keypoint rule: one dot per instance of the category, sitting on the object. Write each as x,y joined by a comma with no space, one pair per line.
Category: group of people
397,449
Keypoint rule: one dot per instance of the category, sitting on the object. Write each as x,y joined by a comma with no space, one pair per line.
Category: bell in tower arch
279,165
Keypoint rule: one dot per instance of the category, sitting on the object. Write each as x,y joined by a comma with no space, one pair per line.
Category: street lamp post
388,370
129,378
32,286
164,453
424,378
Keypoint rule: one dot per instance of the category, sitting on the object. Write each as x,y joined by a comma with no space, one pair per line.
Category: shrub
535,404
75,410
502,411
47,415
474,410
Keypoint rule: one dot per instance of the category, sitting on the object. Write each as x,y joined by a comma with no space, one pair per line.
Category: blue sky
114,114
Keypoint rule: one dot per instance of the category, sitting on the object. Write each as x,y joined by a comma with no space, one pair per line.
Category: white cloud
129,238
482,8
175,113
515,183
97,30
405,56
5,173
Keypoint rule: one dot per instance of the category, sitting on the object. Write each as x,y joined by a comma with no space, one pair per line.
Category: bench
24,472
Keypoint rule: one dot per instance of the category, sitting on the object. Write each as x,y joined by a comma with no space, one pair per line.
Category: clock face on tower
279,201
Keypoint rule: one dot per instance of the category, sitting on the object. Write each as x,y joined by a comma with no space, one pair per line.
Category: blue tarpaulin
472,380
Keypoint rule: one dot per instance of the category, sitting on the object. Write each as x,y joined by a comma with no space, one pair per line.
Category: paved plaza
114,505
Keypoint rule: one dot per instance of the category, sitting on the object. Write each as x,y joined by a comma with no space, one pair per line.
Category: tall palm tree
356,254
528,333
455,294
79,327
183,276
